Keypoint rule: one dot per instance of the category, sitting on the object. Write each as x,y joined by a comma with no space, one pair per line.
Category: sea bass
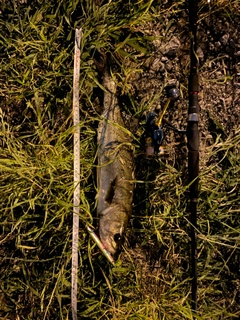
115,170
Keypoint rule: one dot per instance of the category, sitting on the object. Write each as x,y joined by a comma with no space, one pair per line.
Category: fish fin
111,191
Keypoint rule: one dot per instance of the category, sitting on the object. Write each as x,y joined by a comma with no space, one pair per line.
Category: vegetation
151,279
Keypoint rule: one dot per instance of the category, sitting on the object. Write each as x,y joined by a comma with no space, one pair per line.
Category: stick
76,172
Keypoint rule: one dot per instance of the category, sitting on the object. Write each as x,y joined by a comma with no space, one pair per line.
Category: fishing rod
193,143
155,136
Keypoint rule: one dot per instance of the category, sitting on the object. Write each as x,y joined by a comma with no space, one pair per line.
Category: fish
115,169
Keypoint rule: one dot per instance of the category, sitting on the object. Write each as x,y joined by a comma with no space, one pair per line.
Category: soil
219,69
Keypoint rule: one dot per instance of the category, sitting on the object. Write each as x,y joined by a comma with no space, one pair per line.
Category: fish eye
117,237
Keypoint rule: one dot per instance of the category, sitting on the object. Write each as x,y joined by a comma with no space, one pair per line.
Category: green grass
151,277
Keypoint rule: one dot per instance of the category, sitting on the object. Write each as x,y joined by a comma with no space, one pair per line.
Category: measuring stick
76,172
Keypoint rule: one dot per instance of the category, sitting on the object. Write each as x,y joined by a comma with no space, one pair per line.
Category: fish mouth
110,245
112,225
111,240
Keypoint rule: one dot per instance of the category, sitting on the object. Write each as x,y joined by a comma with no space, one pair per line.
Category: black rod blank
193,144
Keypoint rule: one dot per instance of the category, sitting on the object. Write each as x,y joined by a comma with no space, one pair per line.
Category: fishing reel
154,129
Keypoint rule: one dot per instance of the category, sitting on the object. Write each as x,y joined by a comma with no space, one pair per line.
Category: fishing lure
100,245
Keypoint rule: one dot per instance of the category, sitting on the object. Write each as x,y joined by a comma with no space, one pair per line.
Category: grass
151,277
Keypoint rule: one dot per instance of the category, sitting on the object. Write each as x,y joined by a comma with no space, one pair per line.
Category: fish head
112,224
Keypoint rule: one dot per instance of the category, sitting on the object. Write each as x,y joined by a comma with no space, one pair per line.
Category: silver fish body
115,170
